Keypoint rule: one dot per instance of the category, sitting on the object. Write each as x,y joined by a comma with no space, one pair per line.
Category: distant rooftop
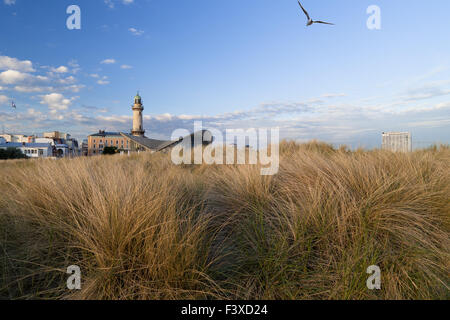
396,132
147,142
27,145
105,134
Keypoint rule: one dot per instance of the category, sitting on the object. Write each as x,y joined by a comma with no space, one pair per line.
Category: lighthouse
138,129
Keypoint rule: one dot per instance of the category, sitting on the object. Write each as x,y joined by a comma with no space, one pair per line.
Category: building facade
56,135
98,141
19,138
37,150
65,145
85,147
31,150
397,141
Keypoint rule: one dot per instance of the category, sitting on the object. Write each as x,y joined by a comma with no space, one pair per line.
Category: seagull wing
306,13
323,22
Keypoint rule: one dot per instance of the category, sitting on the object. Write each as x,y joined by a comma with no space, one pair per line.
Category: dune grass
141,227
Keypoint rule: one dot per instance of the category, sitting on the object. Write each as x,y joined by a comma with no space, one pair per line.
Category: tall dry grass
142,228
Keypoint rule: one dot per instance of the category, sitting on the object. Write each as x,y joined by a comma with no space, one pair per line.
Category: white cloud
68,80
56,101
33,112
28,83
42,78
11,2
443,105
125,66
29,89
13,76
103,81
108,61
17,77
61,69
333,95
74,87
110,3
74,65
3,99
18,73
428,91
8,63
136,32
431,123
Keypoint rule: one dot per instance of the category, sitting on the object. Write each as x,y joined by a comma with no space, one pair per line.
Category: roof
106,134
167,144
159,145
137,96
11,145
26,145
146,142
38,145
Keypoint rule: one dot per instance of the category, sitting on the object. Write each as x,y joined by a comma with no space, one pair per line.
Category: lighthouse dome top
137,99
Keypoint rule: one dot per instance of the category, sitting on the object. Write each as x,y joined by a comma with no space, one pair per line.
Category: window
41,152
117,142
106,142
94,142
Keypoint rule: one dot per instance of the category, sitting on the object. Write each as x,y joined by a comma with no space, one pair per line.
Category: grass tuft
141,227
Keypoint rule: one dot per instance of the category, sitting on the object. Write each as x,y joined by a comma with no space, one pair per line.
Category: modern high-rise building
397,141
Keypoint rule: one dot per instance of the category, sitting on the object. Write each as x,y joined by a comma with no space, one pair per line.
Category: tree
109,150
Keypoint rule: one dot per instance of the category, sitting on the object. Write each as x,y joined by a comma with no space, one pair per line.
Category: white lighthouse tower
138,129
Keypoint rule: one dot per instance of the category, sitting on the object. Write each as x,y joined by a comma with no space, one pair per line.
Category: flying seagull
311,21
13,105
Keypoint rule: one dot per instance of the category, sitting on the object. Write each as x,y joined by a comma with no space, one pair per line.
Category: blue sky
232,64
